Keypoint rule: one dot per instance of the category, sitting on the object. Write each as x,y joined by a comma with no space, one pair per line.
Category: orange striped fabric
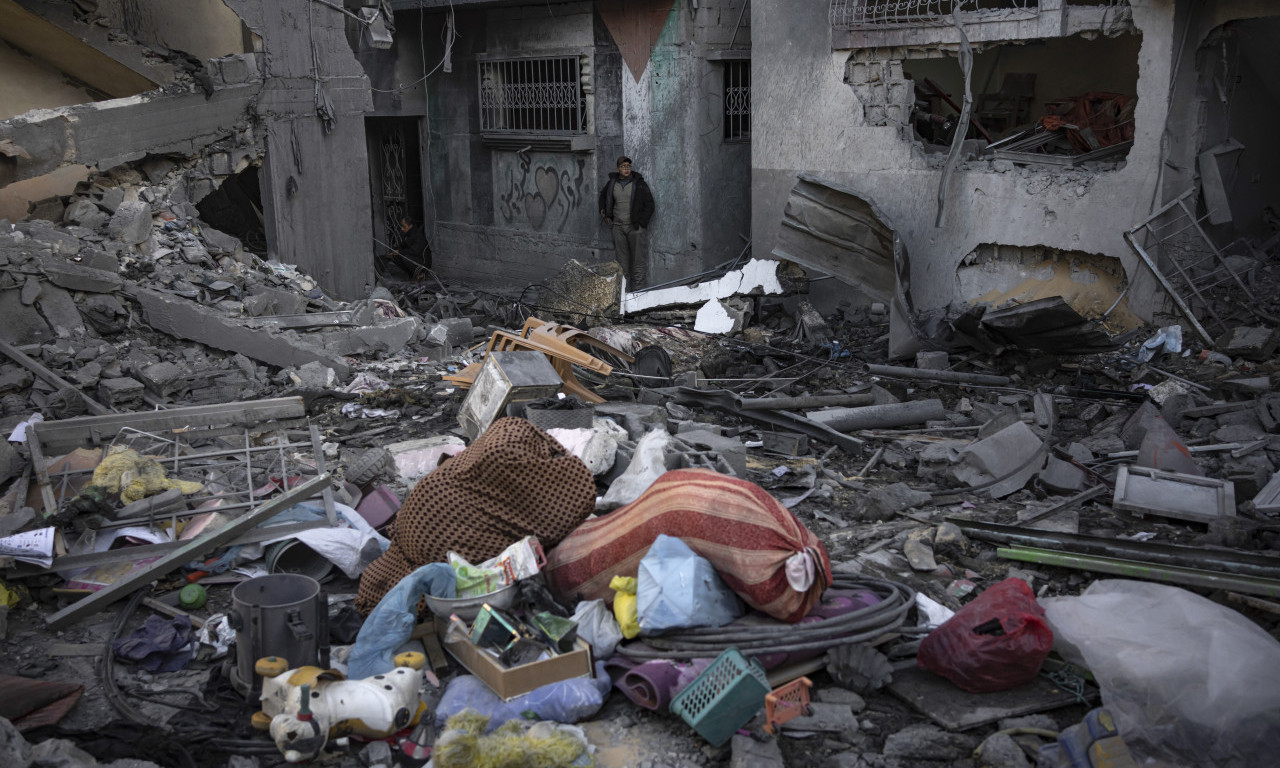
745,533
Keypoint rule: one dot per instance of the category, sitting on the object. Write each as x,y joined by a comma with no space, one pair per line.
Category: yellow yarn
135,477
513,745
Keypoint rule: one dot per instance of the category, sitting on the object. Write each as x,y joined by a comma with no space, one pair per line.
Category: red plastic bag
996,642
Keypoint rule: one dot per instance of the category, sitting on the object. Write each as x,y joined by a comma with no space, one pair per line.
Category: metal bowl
467,608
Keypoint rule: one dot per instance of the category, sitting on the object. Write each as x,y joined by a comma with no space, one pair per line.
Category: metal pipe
809,401
1173,574
877,416
1234,563
958,377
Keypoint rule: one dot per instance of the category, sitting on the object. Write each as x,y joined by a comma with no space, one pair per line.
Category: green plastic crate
723,698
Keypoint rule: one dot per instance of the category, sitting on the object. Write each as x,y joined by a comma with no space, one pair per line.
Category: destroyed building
954,398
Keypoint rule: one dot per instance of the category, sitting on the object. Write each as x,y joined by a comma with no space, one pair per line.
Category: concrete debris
190,295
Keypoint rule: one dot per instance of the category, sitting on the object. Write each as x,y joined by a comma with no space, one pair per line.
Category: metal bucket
292,556
285,615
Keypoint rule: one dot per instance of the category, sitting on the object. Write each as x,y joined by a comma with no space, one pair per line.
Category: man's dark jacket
641,199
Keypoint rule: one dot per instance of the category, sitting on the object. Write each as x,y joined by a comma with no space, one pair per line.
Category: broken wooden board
942,702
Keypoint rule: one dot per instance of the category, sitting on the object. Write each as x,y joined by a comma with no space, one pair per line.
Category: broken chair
557,342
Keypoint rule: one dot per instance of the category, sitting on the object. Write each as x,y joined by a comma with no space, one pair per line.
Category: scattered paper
30,546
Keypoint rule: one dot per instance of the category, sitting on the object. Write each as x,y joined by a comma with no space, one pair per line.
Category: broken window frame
737,100
548,100
196,440
1187,285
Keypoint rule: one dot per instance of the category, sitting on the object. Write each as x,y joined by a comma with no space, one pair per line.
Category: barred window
857,14
737,100
532,96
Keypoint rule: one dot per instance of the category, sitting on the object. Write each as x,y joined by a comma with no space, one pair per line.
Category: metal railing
860,14
532,96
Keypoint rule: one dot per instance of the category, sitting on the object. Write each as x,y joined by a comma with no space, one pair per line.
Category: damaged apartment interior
639,383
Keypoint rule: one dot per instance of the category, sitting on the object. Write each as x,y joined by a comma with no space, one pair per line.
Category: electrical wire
860,626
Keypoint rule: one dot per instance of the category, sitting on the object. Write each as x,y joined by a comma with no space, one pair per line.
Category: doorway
395,180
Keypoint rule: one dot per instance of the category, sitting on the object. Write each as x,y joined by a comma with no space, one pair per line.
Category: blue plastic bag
677,588
566,701
391,622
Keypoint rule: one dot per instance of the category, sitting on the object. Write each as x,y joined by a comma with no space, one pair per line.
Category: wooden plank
192,550
92,431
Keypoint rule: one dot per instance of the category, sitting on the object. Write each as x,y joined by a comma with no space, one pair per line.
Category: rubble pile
170,397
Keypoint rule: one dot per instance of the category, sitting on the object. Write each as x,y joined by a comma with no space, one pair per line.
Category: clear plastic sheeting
1189,681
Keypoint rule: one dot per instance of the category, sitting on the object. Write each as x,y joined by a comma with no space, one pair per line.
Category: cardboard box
517,681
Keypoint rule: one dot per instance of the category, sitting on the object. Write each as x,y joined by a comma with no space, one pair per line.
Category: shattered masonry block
77,277
1252,343
131,223
120,393
85,213
219,241
162,378
240,68
458,331
932,360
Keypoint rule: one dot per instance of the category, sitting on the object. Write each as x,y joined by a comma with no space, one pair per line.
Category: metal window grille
532,96
394,202
855,14
737,100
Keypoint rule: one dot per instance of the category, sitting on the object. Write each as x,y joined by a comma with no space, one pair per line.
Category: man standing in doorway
414,254
626,204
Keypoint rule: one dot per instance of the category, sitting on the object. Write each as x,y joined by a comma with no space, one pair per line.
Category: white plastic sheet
1188,680
647,465
676,588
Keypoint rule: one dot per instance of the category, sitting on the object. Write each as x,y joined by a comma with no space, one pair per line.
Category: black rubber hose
858,626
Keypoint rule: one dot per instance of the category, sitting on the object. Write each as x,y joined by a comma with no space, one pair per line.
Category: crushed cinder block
162,378
636,418
729,448
123,394
131,223
1257,343
77,277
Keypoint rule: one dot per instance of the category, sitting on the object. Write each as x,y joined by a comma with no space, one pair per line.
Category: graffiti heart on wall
542,193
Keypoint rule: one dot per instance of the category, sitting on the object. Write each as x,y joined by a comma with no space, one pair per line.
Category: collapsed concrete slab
185,320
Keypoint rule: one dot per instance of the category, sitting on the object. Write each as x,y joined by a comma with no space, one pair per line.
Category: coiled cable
860,626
